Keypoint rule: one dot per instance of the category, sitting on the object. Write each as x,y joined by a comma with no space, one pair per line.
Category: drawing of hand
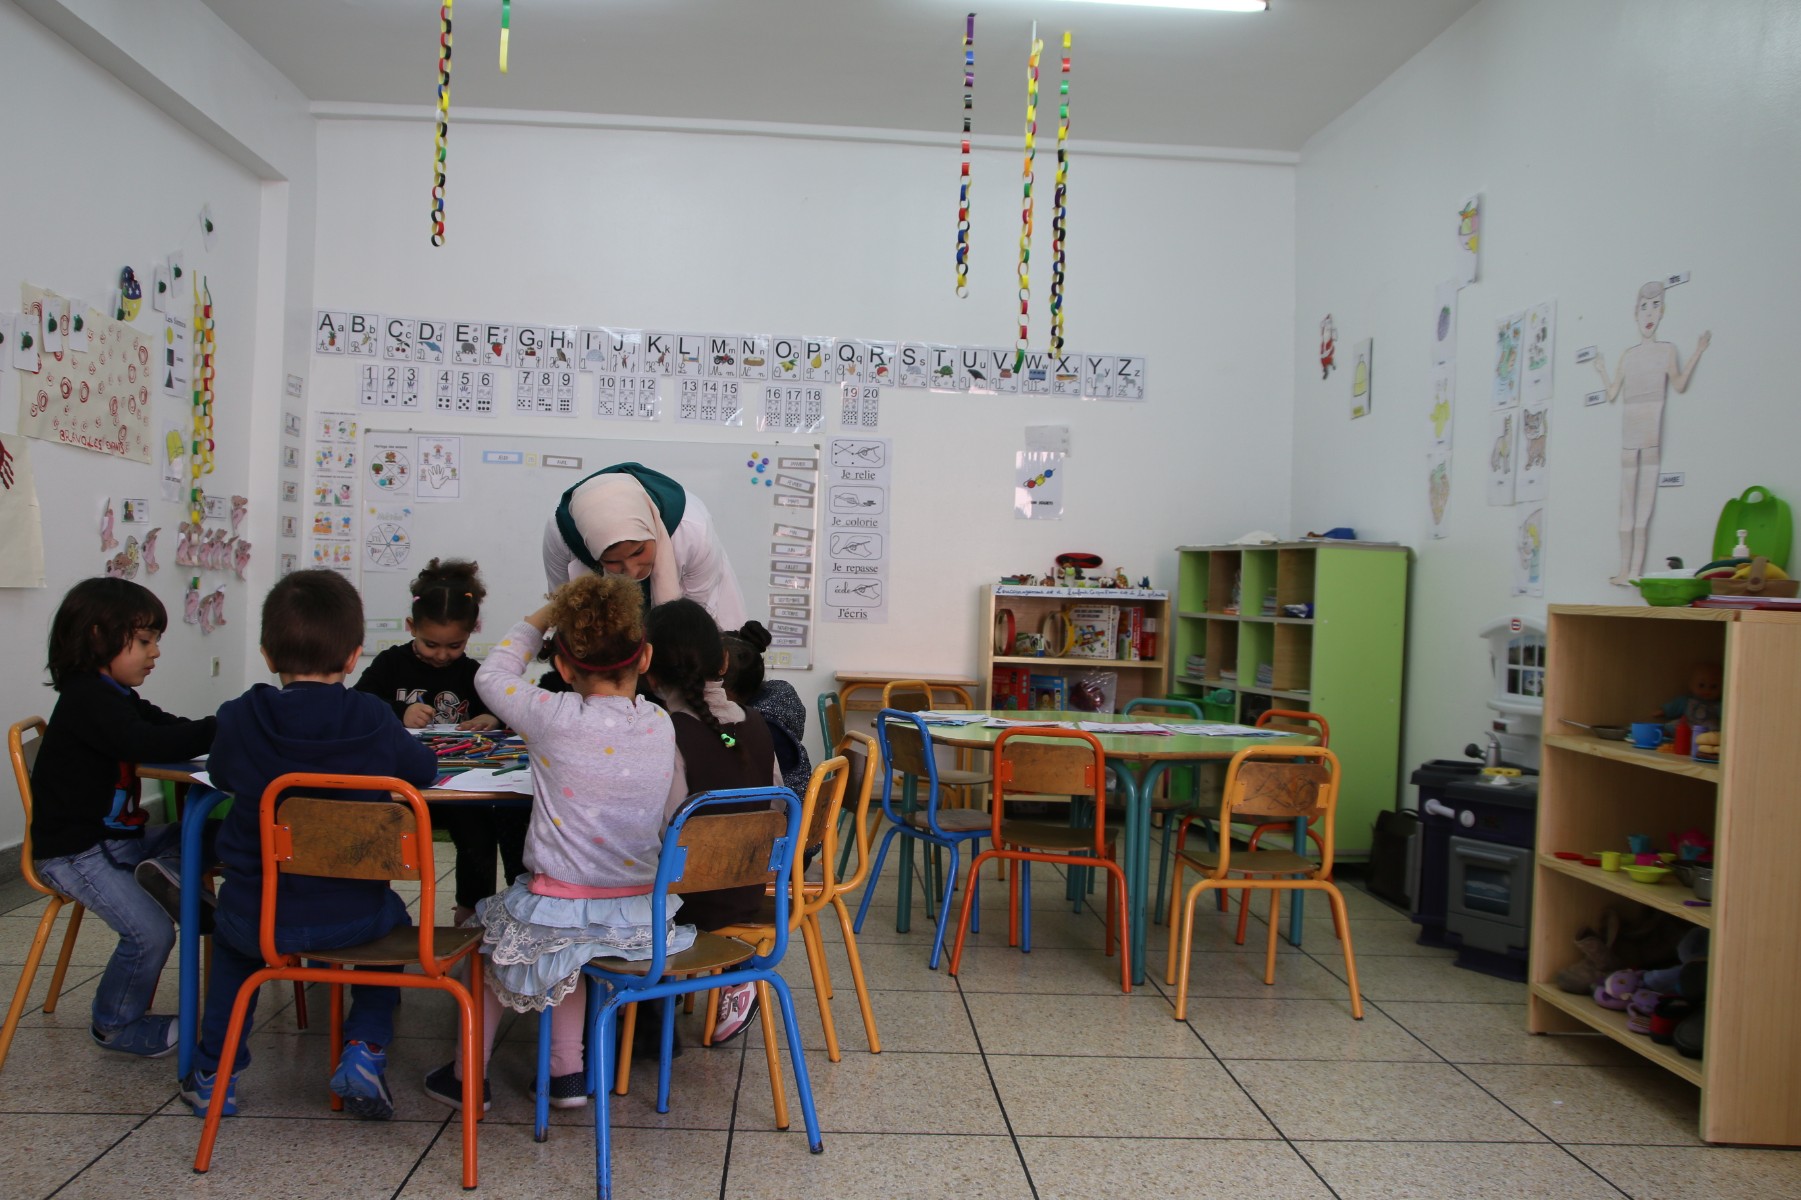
1704,343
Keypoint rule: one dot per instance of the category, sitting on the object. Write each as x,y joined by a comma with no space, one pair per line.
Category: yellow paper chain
200,449
1025,217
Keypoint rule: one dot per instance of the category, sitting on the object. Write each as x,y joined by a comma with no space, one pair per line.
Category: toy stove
1475,886
1474,893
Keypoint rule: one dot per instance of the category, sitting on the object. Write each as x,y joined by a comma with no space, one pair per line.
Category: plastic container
1672,593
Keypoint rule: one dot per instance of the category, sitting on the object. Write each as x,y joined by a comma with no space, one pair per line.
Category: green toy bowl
1672,593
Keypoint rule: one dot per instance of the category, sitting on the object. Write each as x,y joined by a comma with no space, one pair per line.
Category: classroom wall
1187,262
122,124
1613,142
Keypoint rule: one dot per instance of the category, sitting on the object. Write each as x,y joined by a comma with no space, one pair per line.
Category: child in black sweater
431,681
90,838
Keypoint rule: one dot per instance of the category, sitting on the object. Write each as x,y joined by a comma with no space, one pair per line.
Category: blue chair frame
933,834
1191,774
622,988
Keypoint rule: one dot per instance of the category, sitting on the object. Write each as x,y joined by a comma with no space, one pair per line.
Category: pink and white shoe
737,1005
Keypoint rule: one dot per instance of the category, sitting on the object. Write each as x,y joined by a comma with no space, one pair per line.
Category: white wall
1189,263
112,168
1614,142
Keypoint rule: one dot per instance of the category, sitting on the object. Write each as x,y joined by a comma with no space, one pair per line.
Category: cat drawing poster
1530,482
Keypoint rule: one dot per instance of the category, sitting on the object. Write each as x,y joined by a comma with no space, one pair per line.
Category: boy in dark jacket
311,638
89,837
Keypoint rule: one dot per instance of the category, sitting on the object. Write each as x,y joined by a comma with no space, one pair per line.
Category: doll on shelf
1700,707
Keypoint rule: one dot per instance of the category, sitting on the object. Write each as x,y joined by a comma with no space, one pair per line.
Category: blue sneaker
197,1090
361,1083
150,1036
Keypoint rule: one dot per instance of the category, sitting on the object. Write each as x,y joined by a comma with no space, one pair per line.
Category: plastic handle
1439,809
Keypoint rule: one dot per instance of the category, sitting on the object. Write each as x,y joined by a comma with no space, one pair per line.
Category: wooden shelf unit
1613,664
1344,662
1031,605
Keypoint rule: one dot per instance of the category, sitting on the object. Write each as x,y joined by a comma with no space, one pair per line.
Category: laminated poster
1540,351
440,467
856,483
1529,553
99,399
21,524
1438,492
1503,435
1038,485
387,537
1530,480
1509,332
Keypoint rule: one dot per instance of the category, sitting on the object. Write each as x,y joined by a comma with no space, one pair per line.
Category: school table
193,822
1139,760
852,682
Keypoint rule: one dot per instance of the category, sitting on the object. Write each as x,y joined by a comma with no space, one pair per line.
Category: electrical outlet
215,666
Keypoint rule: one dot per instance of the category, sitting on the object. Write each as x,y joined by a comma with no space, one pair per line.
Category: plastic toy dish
1568,855
1591,862
1642,874
1609,733
1672,593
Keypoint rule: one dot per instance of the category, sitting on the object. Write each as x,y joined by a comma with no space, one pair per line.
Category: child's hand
417,716
483,722
540,620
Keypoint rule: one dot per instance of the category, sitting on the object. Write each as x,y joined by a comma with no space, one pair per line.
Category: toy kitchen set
1473,889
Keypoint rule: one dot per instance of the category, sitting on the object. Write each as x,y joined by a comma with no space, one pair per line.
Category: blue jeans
236,958
101,879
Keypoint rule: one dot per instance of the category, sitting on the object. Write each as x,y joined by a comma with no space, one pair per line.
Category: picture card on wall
1503,438
915,367
1532,479
1444,322
946,371
1066,374
1540,350
1128,377
1469,240
1509,332
328,331
362,335
1362,378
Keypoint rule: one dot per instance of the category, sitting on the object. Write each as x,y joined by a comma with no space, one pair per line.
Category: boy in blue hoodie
311,638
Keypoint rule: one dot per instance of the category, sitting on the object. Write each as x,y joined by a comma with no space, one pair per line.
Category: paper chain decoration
1025,216
1060,219
437,188
969,103
200,451
506,30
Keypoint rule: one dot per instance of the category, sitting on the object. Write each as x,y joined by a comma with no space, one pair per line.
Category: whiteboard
760,495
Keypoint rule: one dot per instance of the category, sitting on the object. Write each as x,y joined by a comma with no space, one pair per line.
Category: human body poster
858,502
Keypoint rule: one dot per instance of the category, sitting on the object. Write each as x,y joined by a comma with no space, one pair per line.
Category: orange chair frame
415,856
1255,765
1038,772
24,757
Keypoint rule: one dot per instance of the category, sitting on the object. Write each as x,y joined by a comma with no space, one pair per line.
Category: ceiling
1146,75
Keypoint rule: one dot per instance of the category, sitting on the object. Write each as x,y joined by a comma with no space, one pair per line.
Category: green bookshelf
1344,662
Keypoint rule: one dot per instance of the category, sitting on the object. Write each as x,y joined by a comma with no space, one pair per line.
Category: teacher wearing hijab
633,521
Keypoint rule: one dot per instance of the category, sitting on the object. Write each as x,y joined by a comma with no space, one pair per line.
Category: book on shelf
1012,688
1049,693
1093,630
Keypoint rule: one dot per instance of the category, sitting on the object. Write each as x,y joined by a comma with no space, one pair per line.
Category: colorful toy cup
1638,843
1647,735
1610,860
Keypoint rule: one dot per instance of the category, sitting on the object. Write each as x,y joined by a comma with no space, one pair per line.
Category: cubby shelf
1343,662
1033,607
1607,661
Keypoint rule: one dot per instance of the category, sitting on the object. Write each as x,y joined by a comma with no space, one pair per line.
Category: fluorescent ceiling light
1210,5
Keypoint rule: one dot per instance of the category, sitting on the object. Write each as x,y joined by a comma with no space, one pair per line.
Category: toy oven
1488,897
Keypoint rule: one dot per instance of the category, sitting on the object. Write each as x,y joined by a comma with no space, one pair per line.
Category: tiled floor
1026,1076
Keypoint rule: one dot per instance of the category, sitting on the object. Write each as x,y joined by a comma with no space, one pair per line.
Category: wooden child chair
1031,761
359,839
24,757
1282,783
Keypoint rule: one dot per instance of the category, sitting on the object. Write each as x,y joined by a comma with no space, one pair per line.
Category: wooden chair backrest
1285,783
908,695
346,839
831,719
1295,721
824,801
729,849
863,778
24,758
1044,767
907,749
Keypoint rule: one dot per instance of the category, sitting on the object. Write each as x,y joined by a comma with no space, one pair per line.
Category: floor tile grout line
731,1125
119,1141
999,1101
418,1162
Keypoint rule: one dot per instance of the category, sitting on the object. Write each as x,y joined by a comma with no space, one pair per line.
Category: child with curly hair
602,759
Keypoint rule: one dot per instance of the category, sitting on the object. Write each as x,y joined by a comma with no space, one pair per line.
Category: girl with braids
431,681
718,745
602,758
781,706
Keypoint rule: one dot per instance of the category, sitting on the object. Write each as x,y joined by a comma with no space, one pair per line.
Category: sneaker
566,1091
360,1082
164,886
150,1036
443,1086
737,1005
197,1090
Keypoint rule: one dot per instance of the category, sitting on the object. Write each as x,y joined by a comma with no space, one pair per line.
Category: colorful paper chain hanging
506,30
437,187
1060,219
200,451
1025,216
969,104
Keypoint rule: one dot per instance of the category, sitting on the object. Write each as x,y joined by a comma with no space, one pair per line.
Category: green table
1140,759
